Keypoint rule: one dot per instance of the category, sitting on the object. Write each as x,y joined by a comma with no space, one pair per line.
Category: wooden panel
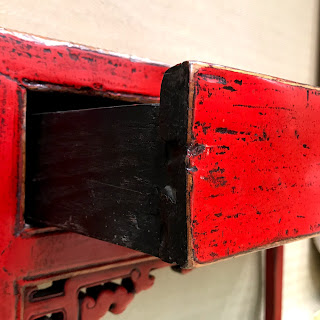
29,253
42,63
98,172
252,160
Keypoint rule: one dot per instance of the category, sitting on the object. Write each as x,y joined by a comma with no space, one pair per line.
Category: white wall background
277,37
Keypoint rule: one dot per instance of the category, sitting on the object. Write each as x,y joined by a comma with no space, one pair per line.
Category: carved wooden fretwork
88,294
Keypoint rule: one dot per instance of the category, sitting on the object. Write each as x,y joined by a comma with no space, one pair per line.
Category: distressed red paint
257,181
29,256
32,60
33,256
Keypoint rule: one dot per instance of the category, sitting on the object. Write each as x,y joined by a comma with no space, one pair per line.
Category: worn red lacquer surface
32,60
257,179
34,255
29,257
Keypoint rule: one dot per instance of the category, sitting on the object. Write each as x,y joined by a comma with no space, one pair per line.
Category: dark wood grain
174,131
98,172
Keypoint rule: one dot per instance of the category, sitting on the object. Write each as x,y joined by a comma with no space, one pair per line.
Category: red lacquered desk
224,165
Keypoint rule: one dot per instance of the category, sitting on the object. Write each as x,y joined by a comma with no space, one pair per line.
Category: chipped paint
257,182
29,254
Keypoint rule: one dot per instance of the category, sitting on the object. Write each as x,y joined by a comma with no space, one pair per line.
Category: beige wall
276,37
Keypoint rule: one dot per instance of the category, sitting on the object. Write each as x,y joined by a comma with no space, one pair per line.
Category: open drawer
227,163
